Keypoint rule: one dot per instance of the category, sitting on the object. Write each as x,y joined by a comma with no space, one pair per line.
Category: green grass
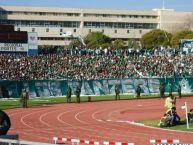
181,126
14,102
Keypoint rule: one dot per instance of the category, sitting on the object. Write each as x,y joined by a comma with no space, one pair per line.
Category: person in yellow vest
170,102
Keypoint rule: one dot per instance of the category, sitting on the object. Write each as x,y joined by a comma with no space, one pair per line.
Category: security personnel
170,102
138,91
190,116
117,92
170,89
68,95
24,98
165,121
78,91
179,91
5,123
161,89
170,118
174,116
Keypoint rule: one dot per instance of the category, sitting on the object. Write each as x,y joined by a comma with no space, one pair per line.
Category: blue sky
179,5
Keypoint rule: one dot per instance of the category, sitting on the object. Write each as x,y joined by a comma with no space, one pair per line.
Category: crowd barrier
41,88
164,141
91,142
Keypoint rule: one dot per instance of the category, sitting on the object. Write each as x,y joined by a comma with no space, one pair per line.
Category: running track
99,121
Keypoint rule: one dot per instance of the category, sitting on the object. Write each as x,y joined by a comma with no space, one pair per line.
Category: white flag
183,106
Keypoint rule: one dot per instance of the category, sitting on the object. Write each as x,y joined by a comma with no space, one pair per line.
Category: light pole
163,4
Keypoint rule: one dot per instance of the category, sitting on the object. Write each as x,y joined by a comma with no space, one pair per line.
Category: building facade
49,23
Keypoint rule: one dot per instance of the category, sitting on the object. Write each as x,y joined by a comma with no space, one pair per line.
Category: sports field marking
140,105
39,100
131,123
50,112
96,114
30,134
30,114
44,115
76,117
106,131
104,121
61,114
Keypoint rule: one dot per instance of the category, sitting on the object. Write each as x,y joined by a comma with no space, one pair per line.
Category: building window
74,30
18,29
128,31
47,29
61,30
140,31
33,29
89,30
115,31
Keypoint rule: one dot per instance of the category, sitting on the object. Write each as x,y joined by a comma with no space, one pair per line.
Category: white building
124,24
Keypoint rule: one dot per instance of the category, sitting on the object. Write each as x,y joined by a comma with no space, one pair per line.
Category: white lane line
46,114
96,131
108,130
96,112
29,114
76,117
136,124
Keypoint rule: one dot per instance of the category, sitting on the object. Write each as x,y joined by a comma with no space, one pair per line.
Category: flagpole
186,109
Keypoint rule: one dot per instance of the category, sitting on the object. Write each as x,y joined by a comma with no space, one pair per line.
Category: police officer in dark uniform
78,91
68,95
179,91
161,89
5,123
24,98
138,91
117,92
170,89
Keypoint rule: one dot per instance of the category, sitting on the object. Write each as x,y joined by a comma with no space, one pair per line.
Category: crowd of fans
90,64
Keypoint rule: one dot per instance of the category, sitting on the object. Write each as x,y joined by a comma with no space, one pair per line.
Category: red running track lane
98,121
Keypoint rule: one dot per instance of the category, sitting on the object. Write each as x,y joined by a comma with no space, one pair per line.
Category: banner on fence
38,88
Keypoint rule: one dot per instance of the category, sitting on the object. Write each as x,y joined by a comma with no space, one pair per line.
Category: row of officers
117,92
25,96
161,89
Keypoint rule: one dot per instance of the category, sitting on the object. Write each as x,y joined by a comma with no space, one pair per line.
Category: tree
132,43
96,40
156,38
118,44
184,34
74,43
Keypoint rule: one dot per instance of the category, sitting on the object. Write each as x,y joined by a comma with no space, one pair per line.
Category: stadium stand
90,64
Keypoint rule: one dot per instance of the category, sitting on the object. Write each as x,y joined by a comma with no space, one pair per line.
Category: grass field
15,103
181,126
